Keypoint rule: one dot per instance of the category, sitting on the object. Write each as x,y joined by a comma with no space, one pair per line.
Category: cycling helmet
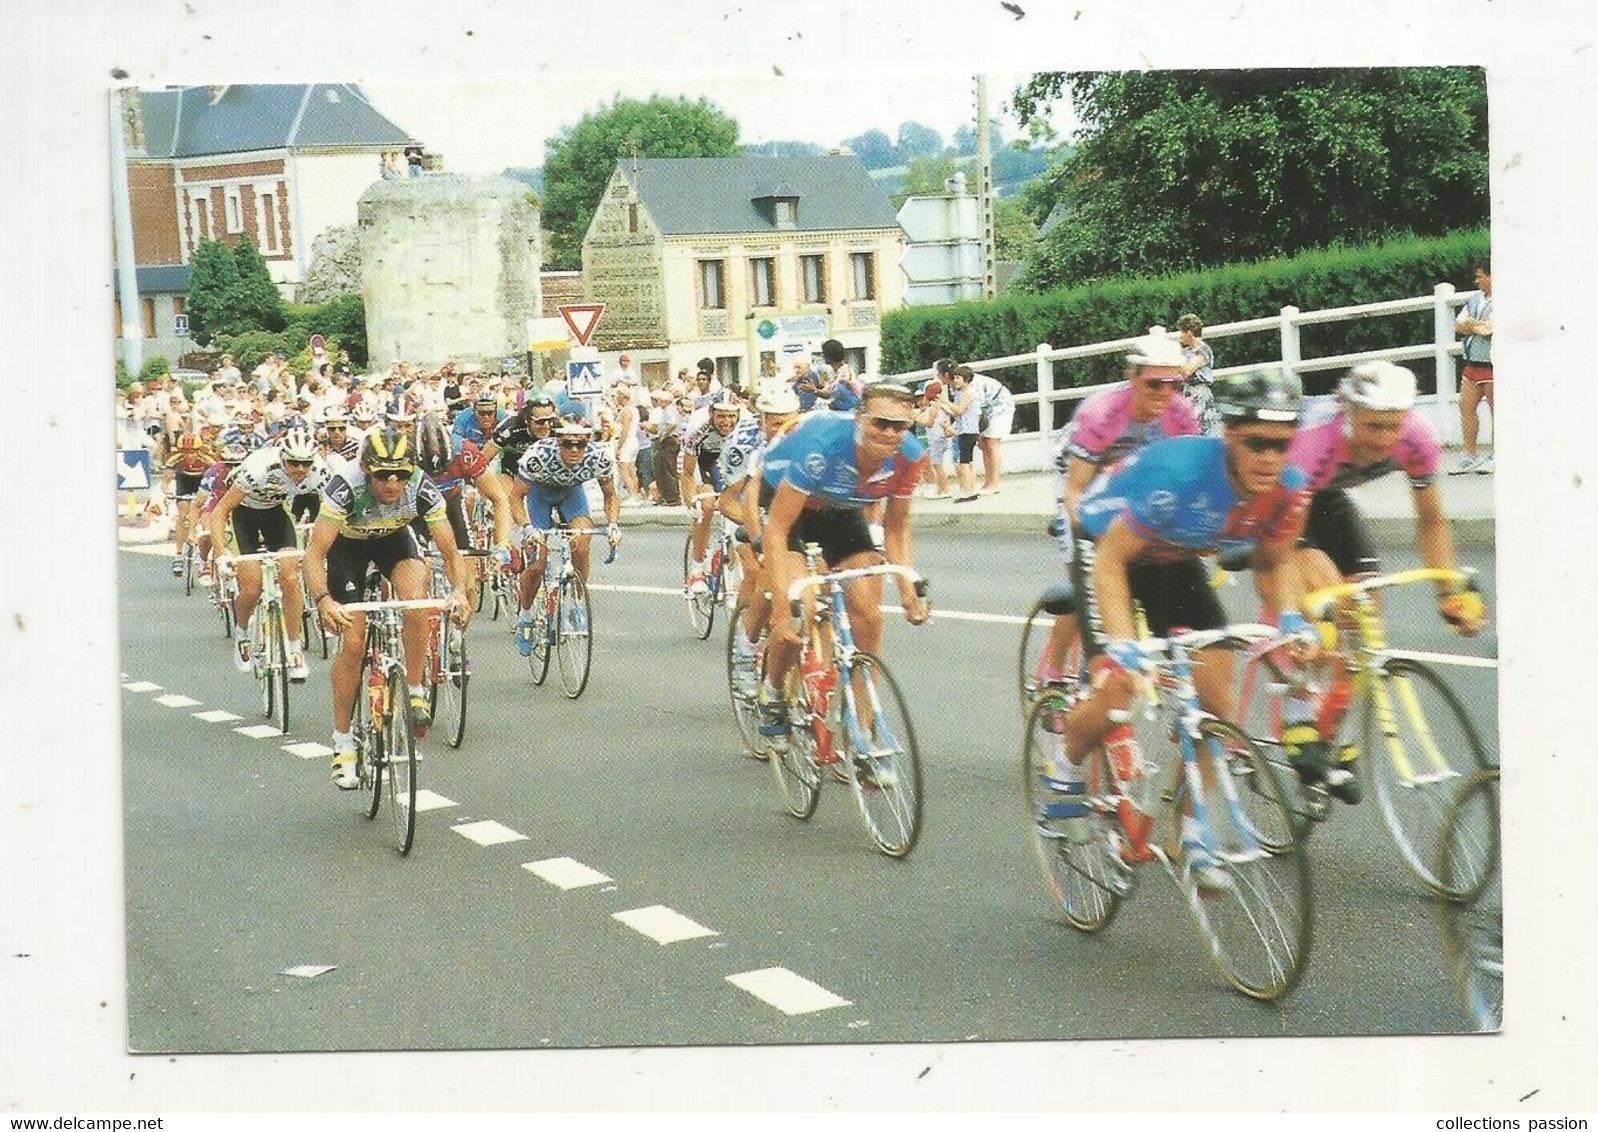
1259,395
253,440
233,448
777,399
364,413
1381,386
1156,350
299,443
485,401
574,426
335,415
388,449
723,401
433,451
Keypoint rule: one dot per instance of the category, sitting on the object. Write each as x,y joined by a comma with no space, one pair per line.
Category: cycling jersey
818,458
1103,428
542,466
700,438
513,438
468,427
191,455
740,454
1320,447
467,463
349,502
265,483
1176,494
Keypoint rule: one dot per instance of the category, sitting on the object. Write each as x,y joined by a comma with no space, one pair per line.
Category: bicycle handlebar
1329,594
814,581
1245,633
406,603
260,556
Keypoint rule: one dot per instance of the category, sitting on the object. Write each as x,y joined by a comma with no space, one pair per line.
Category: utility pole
985,189
122,236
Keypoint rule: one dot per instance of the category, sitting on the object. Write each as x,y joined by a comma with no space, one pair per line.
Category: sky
483,127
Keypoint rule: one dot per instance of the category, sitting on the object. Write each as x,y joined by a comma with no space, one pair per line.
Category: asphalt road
243,861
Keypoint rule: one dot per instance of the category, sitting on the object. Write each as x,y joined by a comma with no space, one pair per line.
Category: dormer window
787,212
780,206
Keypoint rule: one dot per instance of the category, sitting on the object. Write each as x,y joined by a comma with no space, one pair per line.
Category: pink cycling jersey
1320,447
1103,429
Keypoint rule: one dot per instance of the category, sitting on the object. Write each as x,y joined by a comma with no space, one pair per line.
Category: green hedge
914,337
341,321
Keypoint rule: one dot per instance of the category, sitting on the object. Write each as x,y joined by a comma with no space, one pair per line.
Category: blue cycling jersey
1176,494
818,458
468,427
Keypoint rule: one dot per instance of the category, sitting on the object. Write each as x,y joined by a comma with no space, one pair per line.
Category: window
200,215
632,218
863,275
762,283
856,357
729,372
180,321
787,213
711,297
813,276
269,234
149,317
233,208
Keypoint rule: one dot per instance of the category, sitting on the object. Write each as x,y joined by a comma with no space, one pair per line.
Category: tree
925,177
579,161
916,140
1014,232
874,149
258,301
1181,170
213,284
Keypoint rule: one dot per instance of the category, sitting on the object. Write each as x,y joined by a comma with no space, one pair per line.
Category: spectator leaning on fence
1475,322
994,420
1198,364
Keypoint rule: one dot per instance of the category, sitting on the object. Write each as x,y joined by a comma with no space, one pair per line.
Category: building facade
749,261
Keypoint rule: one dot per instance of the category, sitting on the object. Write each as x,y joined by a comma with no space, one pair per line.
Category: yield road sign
582,318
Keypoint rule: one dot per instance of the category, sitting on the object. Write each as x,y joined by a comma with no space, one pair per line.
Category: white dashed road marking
308,750
427,800
217,716
175,700
142,686
563,872
662,925
486,832
788,992
259,731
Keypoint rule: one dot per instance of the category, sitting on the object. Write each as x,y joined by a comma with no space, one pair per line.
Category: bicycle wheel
224,604
399,744
1258,929
538,660
1077,855
701,607
370,737
705,607
1427,746
279,632
261,641
1259,706
744,712
795,764
188,570
879,743
574,636
1472,921
449,694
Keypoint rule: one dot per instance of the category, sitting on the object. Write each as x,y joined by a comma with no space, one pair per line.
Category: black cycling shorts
1334,527
306,506
257,529
348,558
839,531
456,514
185,485
1173,595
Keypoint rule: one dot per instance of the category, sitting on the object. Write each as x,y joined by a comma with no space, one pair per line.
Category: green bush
342,319
153,368
914,337
124,378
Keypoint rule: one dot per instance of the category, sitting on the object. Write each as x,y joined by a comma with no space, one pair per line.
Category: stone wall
335,266
449,268
622,268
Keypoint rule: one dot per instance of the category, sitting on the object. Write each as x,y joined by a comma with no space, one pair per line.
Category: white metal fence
1030,451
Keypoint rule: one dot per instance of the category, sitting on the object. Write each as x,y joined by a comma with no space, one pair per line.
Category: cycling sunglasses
890,424
1262,444
572,445
391,475
1164,382
298,463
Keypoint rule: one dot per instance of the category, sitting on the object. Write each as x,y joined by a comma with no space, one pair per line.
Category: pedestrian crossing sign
582,378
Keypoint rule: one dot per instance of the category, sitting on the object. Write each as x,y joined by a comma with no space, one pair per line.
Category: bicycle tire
708,604
701,607
794,763
1472,922
1079,863
451,690
279,629
1260,716
224,605
261,638
538,660
188,570
400,747
1413,810
369,741
886,776
574,644
744,711
1259,932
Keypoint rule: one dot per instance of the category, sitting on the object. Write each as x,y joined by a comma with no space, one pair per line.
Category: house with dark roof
747,260
280,163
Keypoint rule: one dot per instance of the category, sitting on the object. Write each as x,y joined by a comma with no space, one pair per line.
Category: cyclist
822,474
518,431
1364,431
343,449
1141,531
188,460
479,424
704,437
233,446
1107,426
451,464
744,499
364,523
254,500
550,478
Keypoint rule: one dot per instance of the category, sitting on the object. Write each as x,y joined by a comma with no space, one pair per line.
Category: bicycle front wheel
188,570
544,613
574,636
880,748
1417,745
449,693
1077,854
701,607
743,685
281,661
399,742
1258,924
1472,921
1035,635
795,760
370,735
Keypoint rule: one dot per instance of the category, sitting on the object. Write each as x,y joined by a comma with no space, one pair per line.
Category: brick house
745,260
279,162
